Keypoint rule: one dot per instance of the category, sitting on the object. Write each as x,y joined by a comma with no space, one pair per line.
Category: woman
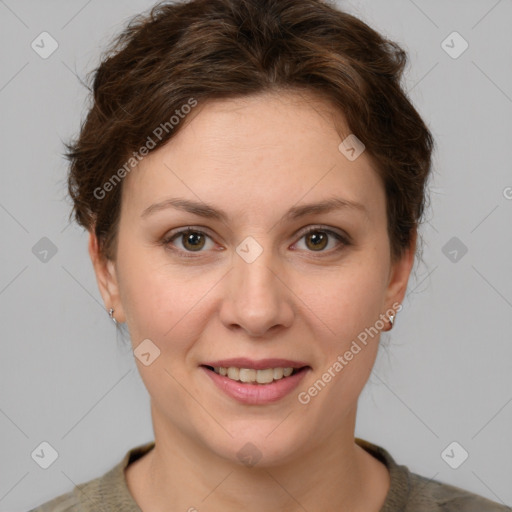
252,177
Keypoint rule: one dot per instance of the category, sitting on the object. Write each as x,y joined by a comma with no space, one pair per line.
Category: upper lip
261,364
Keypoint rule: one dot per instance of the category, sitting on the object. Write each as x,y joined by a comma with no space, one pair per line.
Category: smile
250,375
252,386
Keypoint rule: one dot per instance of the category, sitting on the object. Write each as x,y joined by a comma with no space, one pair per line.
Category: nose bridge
258,299
256,284
254,277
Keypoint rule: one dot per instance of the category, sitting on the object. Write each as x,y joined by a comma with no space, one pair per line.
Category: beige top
408,491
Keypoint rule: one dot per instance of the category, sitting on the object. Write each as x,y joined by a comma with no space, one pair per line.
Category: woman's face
248,282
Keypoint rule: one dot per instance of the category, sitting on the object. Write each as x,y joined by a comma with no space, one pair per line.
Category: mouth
263,376
255,382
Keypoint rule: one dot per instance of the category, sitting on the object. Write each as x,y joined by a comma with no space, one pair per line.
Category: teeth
278,373
250,375
247,375
233,373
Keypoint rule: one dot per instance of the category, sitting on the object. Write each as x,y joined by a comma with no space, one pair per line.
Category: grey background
445,373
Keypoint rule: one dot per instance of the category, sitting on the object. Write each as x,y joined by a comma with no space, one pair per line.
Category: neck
180,474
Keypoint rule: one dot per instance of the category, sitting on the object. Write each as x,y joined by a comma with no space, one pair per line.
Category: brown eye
318,240
193,240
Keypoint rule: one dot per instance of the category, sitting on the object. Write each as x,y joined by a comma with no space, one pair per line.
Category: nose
257,296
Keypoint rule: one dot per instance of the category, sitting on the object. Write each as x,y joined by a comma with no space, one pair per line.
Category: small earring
391,321
111,313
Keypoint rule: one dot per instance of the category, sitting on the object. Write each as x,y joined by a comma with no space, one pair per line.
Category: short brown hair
210,49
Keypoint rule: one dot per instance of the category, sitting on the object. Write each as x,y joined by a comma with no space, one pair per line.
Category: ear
106,278
399,274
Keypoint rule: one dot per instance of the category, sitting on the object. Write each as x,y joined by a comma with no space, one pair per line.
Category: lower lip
256,394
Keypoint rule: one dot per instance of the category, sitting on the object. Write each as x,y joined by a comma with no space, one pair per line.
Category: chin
259,446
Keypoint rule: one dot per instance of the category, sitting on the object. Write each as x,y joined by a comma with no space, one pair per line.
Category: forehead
264,148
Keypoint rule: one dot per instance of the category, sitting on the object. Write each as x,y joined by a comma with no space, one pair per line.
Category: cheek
348,299
161,302
349,305
165,307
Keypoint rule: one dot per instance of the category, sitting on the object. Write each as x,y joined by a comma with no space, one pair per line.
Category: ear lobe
106,277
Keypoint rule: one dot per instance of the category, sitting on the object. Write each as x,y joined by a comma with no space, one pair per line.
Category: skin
254,158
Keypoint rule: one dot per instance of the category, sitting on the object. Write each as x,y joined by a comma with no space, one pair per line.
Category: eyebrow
207,211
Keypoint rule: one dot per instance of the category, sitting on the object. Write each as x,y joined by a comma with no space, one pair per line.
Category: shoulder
64,503
84,497
102,494
410,492
431,495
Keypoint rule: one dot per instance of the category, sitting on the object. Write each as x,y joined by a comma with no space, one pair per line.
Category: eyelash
314,229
